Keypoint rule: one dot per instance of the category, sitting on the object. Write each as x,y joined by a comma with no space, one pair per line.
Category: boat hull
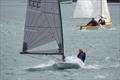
66,65
107,25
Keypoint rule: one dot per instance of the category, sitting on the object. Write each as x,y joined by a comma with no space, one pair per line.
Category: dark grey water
102,47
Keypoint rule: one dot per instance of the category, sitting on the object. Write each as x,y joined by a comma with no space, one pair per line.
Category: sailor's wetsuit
102,21
82,56
93,22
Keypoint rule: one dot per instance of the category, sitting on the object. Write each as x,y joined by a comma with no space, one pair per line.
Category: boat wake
72,62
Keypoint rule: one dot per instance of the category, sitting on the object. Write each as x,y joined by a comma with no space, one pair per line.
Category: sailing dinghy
43,33
92,9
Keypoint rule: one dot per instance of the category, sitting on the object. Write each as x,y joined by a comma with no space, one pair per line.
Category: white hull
66,65
71,63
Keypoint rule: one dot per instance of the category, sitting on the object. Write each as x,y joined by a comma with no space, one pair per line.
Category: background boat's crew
93,22
101,21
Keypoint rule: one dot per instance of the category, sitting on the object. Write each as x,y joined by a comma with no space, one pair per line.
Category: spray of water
72,62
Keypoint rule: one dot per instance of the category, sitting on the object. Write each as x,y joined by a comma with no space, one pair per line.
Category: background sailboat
93,9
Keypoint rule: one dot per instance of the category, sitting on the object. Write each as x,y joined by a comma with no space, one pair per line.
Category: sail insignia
43,28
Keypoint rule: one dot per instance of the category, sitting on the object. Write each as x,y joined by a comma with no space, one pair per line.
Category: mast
40,37
63,56
101,7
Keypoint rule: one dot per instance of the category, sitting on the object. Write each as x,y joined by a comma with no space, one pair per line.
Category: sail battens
43,28
51,13
44,12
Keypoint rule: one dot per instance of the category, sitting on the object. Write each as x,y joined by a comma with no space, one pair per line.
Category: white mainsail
43,27
105,10
91,9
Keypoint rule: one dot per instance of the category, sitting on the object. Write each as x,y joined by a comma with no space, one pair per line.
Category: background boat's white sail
105,9
91,9
43,28
83,9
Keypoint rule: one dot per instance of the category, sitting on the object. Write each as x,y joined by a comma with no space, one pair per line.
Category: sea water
101,46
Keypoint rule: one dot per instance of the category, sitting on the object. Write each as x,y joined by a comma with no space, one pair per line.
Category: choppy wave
92,66
99,77
5,31
47,66
72,62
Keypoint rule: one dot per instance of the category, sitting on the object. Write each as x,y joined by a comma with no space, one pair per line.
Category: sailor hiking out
81,55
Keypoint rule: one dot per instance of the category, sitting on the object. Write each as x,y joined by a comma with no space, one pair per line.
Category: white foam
115,66
84,30
107,58
100,77
73,59
69,59
93,66
41,66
